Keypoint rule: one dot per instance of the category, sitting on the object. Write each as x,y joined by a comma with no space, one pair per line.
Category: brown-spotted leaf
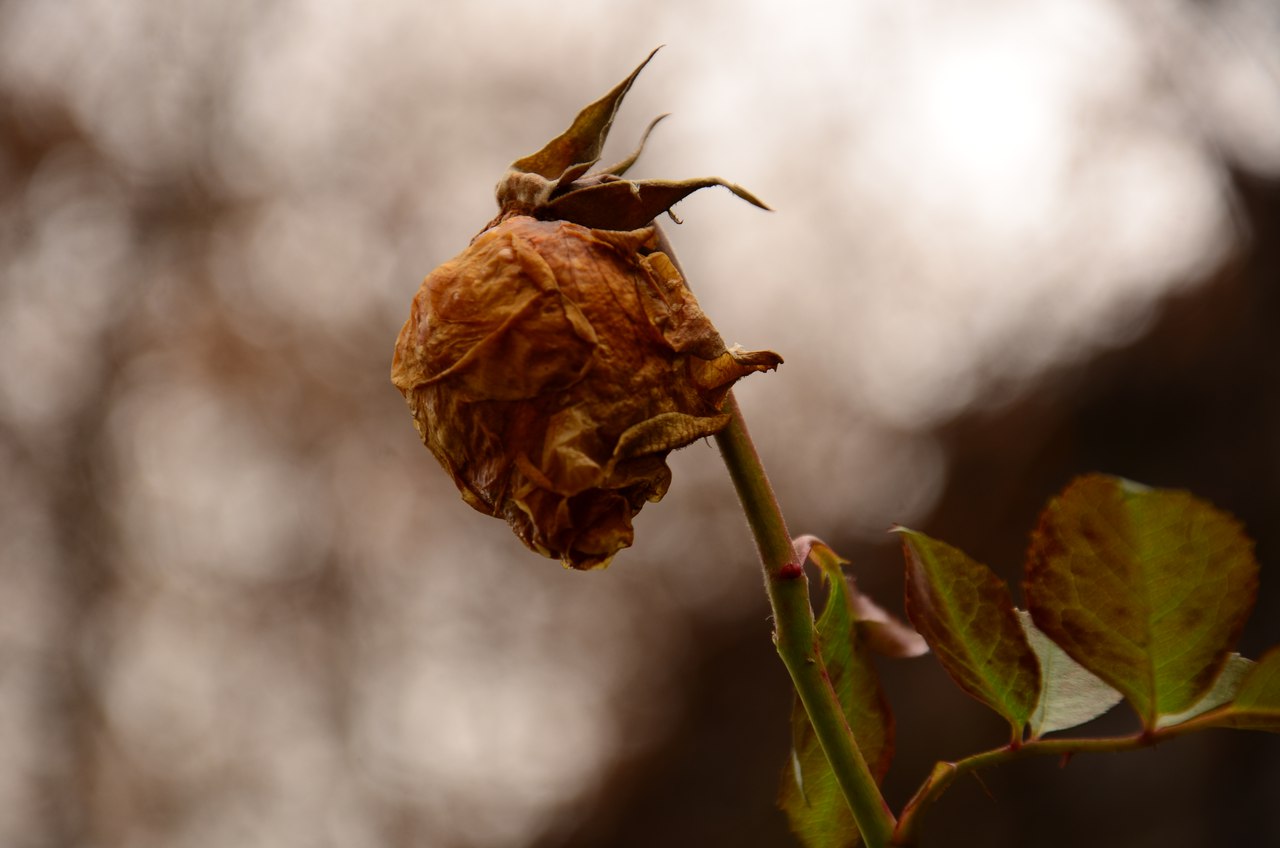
583,141
965,613
1146,588
810,795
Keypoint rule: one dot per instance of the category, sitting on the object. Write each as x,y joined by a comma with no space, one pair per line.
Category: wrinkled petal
551,369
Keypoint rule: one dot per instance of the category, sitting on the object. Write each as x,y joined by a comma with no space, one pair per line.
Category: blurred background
240,604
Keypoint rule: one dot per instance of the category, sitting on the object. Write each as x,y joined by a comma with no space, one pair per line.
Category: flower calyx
554,184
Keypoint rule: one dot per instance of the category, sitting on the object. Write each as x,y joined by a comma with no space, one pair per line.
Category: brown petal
551,369
495,321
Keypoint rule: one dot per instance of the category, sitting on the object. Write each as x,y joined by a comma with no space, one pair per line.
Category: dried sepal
554,184
584,140
628,204
631,158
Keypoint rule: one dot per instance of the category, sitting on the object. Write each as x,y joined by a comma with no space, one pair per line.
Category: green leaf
966,615
1257,704
1224,689
1146,588
1070,694
810,796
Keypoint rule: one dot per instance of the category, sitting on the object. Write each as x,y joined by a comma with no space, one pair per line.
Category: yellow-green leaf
1146,588
965,613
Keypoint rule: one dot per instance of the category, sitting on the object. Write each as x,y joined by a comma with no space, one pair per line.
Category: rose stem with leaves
795,635
794,632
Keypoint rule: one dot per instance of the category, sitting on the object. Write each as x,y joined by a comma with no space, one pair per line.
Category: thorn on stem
985,789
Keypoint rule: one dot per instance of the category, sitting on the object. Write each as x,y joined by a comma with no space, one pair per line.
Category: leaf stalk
907,831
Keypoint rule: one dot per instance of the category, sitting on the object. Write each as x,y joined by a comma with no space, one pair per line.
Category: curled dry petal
551,368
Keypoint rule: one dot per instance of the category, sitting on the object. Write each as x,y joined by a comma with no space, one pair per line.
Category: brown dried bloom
553,365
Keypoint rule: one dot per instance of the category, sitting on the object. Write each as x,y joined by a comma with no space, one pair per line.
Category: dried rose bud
553,365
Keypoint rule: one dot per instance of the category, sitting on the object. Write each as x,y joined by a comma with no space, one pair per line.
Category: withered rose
551,368
553,365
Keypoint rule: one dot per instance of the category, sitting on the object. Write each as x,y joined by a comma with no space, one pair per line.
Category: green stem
795,635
